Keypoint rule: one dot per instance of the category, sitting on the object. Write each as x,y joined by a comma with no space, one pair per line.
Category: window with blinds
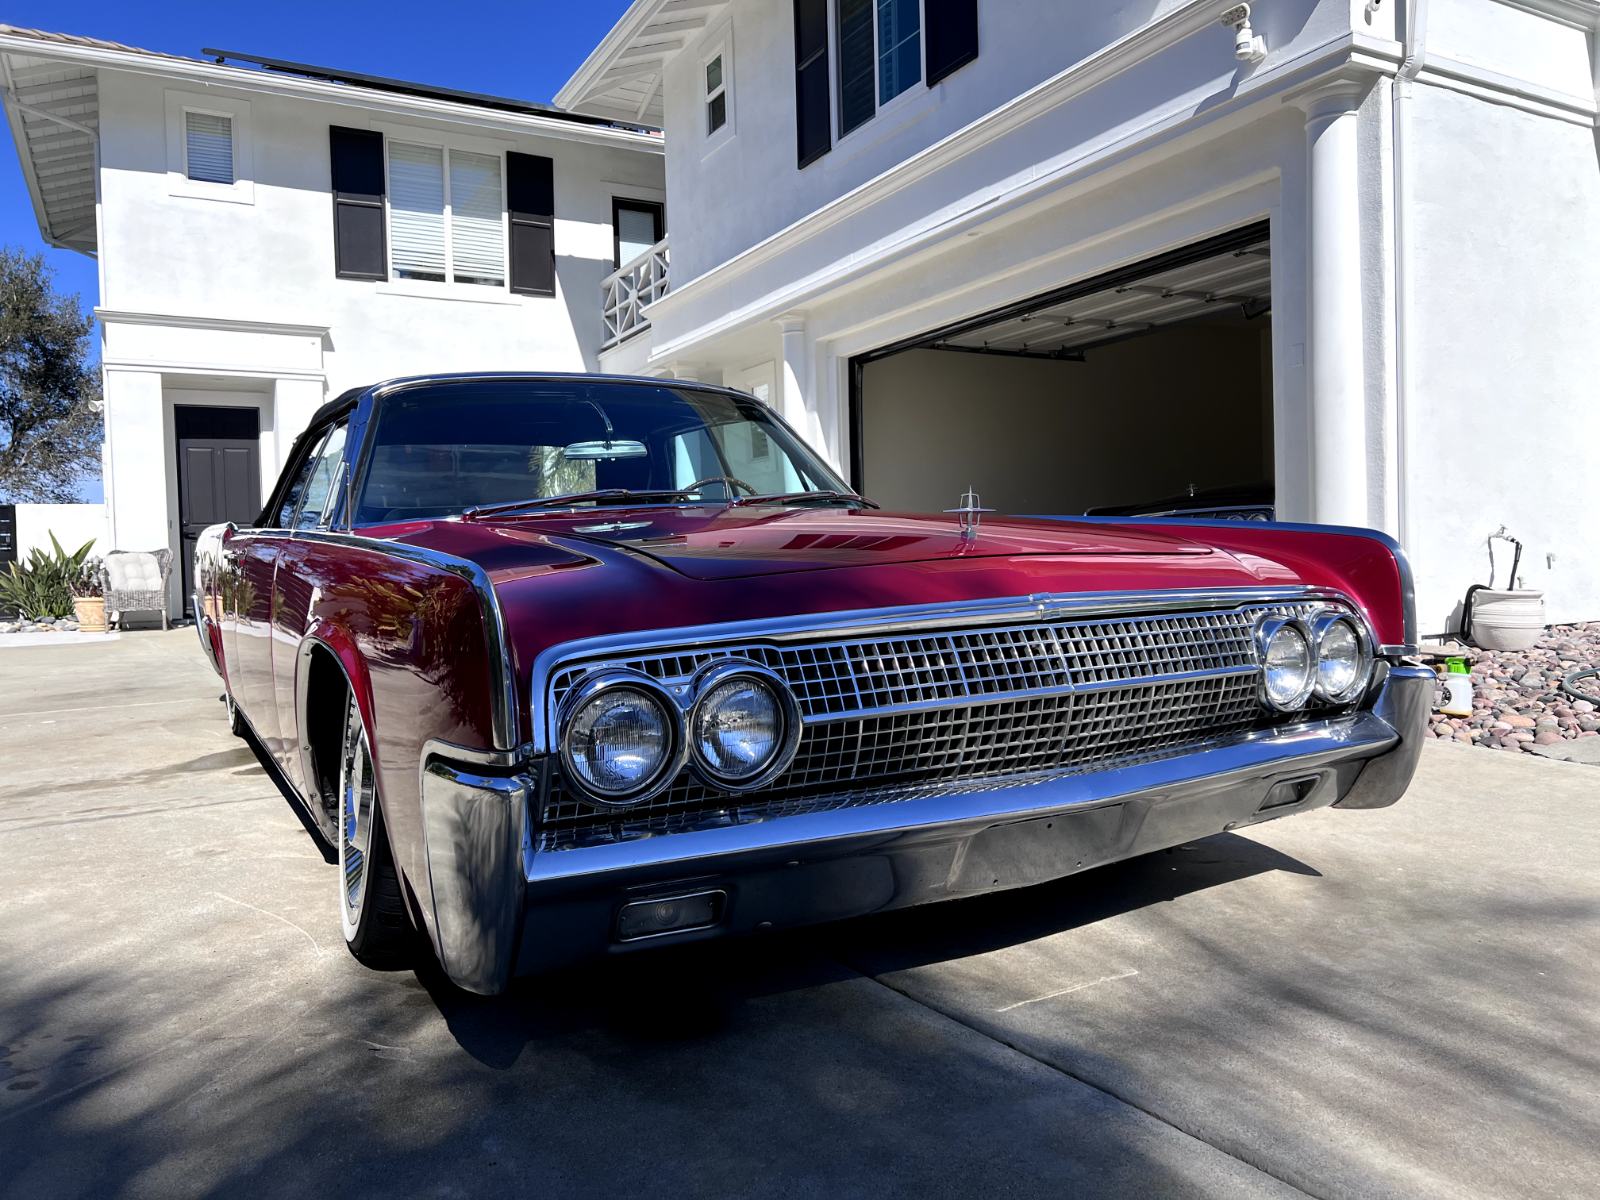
446,217
208,147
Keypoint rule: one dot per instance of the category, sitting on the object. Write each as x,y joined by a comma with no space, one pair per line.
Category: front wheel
371,908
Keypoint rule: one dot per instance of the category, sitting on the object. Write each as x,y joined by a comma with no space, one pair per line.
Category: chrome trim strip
1289,748
878,621
509,760
503,692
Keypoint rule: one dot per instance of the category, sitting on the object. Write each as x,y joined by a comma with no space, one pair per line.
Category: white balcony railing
626,292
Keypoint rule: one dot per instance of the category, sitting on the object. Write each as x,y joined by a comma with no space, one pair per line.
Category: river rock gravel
1517,700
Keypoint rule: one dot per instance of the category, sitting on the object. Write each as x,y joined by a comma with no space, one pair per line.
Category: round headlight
619,741
1342,659
744,728
1288,670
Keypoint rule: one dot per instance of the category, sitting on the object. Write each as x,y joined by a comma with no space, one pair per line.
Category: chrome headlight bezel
1320,624
594,686
706,682
1268,628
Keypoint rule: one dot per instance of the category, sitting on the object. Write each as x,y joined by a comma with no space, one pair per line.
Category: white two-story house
1078,255
269,235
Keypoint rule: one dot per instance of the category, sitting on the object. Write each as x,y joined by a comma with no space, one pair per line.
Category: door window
320,497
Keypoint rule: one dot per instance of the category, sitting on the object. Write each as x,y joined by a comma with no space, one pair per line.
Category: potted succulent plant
88,598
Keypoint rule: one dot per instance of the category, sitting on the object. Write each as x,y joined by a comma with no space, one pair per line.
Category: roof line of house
406,88
92,52
615,41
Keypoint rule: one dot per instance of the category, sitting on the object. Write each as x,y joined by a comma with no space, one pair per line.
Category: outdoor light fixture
1247,46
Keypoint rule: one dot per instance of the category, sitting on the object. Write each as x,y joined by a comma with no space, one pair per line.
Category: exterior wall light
1247,45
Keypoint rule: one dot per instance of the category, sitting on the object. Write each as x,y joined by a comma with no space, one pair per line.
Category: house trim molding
107,316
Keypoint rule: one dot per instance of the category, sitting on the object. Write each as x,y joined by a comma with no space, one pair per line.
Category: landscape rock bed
1517,700
45,626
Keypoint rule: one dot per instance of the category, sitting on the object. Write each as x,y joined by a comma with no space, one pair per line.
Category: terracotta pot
91,613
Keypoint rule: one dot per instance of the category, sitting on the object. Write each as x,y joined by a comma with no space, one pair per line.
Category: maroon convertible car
573,665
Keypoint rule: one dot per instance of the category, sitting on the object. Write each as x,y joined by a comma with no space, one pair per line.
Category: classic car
566,666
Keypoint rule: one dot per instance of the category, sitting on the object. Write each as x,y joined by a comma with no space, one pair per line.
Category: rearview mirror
590,451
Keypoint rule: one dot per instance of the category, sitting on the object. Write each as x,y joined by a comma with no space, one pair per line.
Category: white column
136,452
798,402
1338,422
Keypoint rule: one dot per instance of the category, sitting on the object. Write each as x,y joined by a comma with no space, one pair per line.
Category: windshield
440,449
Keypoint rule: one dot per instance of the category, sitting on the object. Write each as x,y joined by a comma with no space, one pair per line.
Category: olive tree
50,424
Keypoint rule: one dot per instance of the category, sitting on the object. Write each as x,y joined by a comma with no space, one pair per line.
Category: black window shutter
952,36
811,79
358,244
531,200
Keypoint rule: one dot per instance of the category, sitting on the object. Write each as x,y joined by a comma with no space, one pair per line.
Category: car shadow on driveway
680,993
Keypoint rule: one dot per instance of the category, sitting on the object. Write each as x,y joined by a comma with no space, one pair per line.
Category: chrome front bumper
492,920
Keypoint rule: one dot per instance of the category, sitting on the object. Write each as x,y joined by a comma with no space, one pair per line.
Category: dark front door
219,474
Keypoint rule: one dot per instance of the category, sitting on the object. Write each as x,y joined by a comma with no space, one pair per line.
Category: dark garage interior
1121,389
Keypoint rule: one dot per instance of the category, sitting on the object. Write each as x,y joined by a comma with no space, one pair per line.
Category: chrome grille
890,716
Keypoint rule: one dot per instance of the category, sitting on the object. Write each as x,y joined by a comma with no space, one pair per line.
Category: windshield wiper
801,498
484,511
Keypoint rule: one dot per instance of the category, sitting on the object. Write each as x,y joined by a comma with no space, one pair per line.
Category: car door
253,560
294,587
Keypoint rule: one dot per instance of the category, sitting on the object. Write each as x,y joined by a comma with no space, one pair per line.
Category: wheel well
327,699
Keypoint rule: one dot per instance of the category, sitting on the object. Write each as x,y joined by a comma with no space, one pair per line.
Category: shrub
42,586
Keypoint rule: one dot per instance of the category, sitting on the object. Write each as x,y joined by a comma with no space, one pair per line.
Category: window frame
178,107
449,289
618,203
881,107
720,46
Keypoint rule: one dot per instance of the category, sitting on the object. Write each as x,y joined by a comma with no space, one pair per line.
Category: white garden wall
73,525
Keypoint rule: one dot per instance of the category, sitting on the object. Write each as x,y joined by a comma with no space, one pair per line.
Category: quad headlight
1344,657
1329,656
624,737
744,727
1288,663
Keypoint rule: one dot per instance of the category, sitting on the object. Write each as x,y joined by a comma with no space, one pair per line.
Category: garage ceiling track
1225,275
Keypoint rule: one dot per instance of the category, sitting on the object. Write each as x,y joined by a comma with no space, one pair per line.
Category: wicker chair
136,581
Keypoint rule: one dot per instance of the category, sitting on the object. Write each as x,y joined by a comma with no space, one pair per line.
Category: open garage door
1150,382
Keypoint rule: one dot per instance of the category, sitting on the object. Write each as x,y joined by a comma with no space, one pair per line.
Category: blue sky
526,50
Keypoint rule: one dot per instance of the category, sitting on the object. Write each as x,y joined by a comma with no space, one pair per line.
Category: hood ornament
970,514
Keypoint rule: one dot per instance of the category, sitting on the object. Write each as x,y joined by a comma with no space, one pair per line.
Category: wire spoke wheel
357,796
371,908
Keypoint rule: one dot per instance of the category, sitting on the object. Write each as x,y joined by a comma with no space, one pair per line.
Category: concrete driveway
1397,1003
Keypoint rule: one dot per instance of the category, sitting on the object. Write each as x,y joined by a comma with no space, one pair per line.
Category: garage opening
1147,385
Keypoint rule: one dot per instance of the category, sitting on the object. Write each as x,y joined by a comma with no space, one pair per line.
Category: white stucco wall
1503,414
73,525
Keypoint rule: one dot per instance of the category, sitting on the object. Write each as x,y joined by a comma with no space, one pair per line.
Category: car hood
740,543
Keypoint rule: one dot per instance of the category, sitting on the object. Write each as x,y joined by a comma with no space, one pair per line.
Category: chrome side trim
842,831
877,621
473,828
503,691
507,760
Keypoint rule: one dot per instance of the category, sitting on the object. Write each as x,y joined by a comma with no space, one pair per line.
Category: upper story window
445,215
436,214
208,147
716,95
882,49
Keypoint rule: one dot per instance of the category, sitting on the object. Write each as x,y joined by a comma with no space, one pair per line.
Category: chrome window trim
876,622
